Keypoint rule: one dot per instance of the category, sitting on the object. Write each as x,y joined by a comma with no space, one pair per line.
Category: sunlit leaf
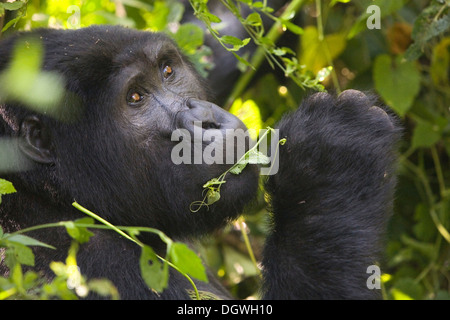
187,261
81,234
24,81
248,112
315,54
6,187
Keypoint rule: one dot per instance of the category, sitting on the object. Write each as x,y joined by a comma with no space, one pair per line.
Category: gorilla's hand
331,197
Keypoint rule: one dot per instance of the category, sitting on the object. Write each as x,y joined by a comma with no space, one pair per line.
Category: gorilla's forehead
149,51
90,56
103,46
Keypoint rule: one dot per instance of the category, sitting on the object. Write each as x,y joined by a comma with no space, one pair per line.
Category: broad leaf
426,134
18,253
397,81
6,187
153,271
187,261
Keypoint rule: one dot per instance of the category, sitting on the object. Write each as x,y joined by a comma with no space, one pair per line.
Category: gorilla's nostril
210,125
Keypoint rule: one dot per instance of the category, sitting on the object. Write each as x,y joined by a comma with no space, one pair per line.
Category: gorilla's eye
134,97
167,71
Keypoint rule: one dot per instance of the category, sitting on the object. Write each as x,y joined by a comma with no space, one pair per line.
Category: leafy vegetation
313,45
211,188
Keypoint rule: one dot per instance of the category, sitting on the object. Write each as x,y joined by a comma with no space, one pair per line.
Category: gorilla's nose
203,111
212,116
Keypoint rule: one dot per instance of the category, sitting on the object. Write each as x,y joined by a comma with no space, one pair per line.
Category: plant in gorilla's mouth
211,189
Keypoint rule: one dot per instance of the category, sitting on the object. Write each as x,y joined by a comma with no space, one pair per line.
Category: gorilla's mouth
211,189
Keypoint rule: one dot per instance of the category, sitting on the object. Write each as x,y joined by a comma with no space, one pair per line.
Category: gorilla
126,92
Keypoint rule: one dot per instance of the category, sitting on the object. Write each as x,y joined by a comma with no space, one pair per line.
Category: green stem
41,226
423,178
241,223
197,294
258,57
163,237
439,174
325,46
111,226
319,19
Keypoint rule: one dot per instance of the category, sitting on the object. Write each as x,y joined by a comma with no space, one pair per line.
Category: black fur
331,197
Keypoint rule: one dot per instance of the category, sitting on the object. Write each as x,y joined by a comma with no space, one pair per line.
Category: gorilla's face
141,99
163,117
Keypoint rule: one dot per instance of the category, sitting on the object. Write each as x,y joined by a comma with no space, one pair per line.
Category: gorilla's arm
331,198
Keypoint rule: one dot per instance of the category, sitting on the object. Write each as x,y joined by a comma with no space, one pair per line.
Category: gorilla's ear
36,142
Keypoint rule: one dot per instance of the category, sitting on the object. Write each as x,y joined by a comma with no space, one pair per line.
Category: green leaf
212,18
6,187
24,81
242,60
254,19
18,253
212,196
153,271
424,228
407,289
253,157
316,54
397,81
292,27
333,2
249,113
213,182
231,40
426,134
440,63
104,288
25,240
235,42
237,168
187,261
12,5
81,234
189,37
256,157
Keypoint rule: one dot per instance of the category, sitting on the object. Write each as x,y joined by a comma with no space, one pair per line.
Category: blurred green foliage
406,61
